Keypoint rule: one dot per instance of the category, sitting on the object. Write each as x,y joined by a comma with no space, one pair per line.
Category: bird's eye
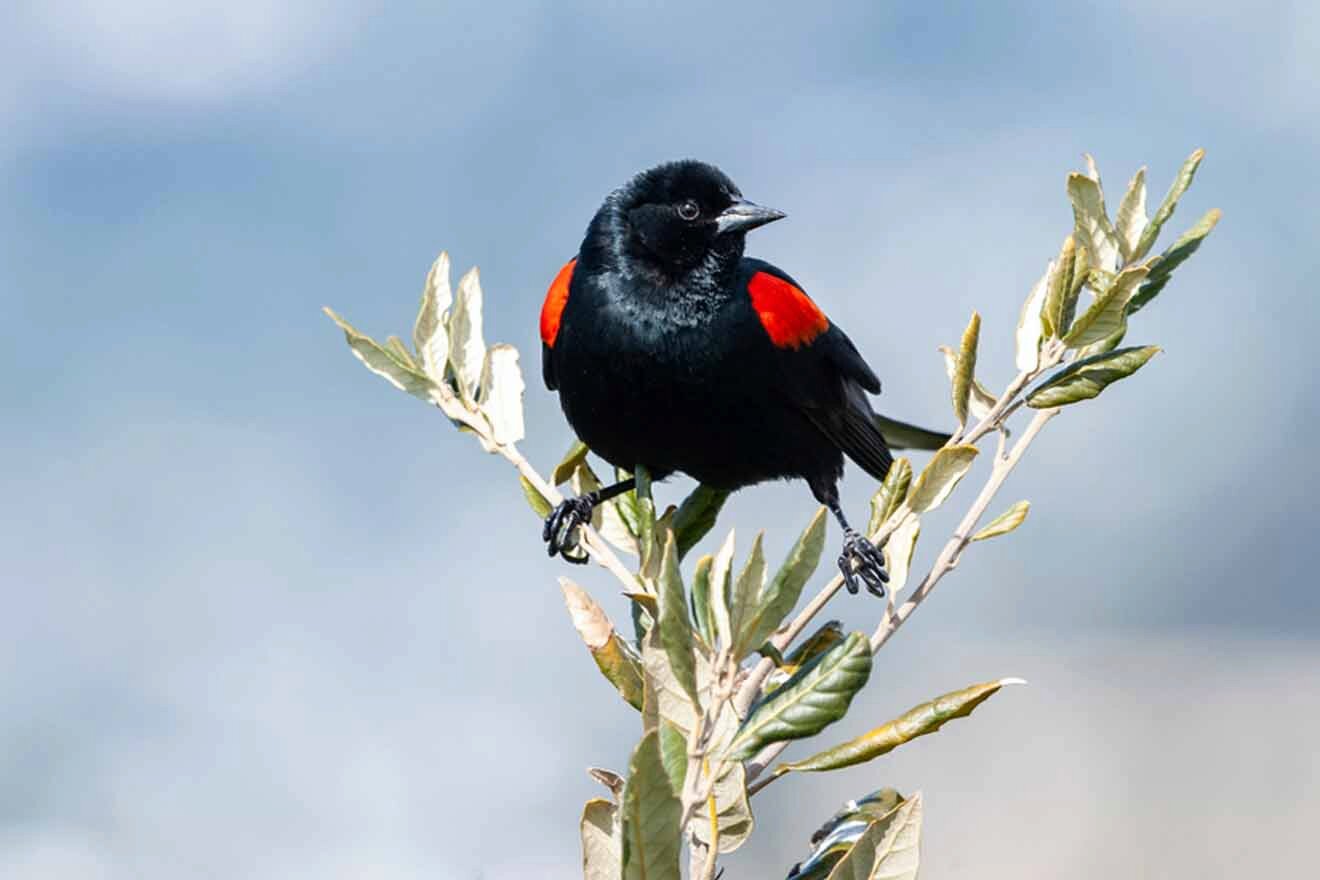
689,210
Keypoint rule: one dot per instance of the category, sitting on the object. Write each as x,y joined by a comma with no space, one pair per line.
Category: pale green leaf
1108,313
1166,208
1061,295
773,603
891,494
602,841
501,394
1004,523
746,589
430,334
898,552
1161,269
889,849
696,516
673,753
813,698
606,517
1091,225
577,453
1131,220
940,476
965,369
720,578
394,345
613,656
651,816
701,612
672,702
540,505
733,811
915,722
980,401
1030,326
675,627
467,351
1085,379
383,363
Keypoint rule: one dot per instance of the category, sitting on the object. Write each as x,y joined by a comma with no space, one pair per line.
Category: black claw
861,562
559,531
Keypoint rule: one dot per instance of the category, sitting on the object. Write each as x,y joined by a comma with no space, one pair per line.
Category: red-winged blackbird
672,350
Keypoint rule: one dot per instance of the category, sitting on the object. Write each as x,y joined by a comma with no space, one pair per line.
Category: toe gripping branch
560,530
861,562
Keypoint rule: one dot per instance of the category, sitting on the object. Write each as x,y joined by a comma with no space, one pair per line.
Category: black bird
672,350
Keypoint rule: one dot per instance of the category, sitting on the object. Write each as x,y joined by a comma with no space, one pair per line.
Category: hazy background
264,617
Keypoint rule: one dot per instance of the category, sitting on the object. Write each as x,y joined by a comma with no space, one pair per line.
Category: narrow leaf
915,722
602,841
965,370
1058,311
980,401
1085,379
1004,523
501,394
1131,221
941,475
430,335
382,362
1162,268
467,352
720,572
1108,314
1091,226
394,345
675,627
538,502
613,656
1166,208
746,590
701,599
1030,326
651,816
891,494
773,604
577,453
673,753
696,516
815,697
898,552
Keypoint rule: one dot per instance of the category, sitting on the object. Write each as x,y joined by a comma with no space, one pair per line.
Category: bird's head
683,215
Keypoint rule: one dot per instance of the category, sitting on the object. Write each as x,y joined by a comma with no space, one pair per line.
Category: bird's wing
552,310
821,370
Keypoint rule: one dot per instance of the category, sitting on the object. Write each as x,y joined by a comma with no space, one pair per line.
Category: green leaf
1109,343
898,552
1108,314
915,722
384,363
501,394
980,401
538,502
720,580
577,454
696,516
430,335
467,348
889,849
627,505
606,518
825,637
770,605
651,816
701,599
1091,226
965,369
1061,296
746,588
891,494
733,811
940,476
613,656
1031,326
1161,268
1004,523
646,539
1085,379
815,697
602,840
1166,208
675,627
1131,221
394,345
673,753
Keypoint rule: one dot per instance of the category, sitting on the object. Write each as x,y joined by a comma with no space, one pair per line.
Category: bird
671,349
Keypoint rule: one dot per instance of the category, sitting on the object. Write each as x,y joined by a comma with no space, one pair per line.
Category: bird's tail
901,435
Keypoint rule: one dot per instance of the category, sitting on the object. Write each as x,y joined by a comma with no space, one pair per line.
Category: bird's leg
860,560
562,523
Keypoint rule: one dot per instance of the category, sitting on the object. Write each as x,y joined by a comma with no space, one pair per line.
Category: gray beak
743,216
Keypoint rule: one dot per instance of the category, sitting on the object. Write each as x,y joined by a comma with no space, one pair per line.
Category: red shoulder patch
555,300
788,315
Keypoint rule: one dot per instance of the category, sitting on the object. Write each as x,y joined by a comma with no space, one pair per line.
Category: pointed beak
743,216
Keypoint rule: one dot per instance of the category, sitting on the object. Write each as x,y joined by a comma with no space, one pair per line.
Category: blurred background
265,617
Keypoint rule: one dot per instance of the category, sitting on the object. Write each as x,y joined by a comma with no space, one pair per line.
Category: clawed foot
862,562
560,531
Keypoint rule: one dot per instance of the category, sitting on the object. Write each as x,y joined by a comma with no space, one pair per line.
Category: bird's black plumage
671,349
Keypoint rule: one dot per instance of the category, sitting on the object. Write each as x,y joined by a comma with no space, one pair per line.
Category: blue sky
267,618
